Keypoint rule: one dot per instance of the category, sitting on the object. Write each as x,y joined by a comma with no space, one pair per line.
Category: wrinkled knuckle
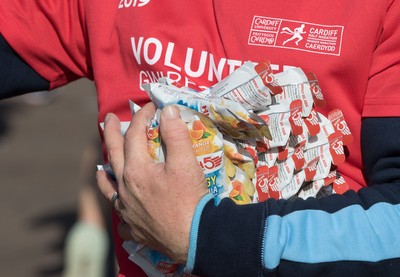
133,232
112,152
114,161
138,236
129,175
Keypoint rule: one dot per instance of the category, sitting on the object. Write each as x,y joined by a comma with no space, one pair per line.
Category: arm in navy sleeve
381,149
355,234
16,77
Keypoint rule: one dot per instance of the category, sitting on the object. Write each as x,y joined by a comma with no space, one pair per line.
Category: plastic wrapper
257,135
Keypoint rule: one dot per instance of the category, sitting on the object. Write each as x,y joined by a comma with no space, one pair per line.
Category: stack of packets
257,135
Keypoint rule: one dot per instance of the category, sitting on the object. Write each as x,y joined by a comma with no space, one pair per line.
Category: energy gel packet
257,135
154,146
267,156
208,147
240,188
311,189
230,117
235,152
207,142
153,263
324,187
239,157
277,118
339,123
251,85
294,186
296,86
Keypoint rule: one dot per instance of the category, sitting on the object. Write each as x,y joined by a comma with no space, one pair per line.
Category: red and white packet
275,143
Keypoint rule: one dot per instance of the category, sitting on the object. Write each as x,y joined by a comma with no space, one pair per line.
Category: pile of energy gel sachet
257,135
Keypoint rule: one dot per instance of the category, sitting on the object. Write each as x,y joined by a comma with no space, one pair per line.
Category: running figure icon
296,34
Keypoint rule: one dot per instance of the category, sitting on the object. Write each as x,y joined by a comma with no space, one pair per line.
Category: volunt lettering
151,51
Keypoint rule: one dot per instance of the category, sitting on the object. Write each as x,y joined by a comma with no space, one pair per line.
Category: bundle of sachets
272,135
257,135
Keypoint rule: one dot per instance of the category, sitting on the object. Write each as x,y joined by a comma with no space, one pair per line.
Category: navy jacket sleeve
16,77
355,234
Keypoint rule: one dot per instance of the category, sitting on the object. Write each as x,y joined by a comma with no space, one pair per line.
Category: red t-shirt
351,46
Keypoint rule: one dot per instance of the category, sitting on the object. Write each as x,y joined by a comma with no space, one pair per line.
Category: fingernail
171,112
106,118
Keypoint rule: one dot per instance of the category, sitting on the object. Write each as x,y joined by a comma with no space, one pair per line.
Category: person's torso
204,41
134,42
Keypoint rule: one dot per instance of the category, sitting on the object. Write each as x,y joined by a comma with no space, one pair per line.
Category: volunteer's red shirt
351,46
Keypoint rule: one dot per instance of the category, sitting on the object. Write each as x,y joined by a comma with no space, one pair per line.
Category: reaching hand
156,200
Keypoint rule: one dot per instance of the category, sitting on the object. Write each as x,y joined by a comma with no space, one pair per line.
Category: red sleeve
49,35
383,93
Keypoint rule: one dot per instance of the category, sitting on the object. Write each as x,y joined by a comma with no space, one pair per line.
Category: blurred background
48,154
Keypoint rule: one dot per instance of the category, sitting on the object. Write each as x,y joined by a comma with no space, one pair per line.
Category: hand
156,200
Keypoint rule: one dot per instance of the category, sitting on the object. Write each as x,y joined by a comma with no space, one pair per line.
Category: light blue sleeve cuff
194,232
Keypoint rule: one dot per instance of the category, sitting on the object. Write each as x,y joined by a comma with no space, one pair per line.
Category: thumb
175,135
